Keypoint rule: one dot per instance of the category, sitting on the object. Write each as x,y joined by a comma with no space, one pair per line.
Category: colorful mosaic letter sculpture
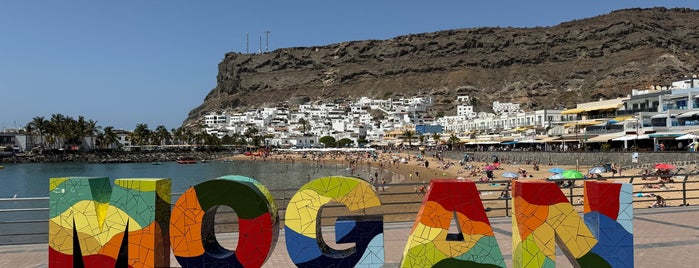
543,216
304,239
609,215
88,218
192,224
431,245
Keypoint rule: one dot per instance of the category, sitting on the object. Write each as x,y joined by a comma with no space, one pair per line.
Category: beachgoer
659,202
383,185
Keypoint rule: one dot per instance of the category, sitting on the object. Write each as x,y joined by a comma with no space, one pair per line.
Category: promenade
663,237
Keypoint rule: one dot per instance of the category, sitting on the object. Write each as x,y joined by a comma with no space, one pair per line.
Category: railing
25,220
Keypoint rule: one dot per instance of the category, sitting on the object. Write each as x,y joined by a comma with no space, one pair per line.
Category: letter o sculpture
192,235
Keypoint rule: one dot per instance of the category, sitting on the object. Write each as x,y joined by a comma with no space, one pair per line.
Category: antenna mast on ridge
247,43
267,44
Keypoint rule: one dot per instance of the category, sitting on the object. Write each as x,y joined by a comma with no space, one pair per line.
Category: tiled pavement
663,237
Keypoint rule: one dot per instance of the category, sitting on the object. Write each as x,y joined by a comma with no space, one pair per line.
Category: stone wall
645,159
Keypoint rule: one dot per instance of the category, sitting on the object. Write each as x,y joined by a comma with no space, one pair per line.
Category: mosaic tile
543,217
429,244
304,241
192,230
89,216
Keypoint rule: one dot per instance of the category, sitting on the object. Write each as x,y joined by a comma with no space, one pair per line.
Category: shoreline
108,157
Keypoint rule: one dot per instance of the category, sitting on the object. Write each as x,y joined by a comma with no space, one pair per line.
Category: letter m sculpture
89,221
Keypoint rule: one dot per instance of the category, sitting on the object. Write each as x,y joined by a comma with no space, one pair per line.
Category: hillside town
659,117
653,119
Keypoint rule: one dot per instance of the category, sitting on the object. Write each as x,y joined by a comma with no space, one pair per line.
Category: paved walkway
663,237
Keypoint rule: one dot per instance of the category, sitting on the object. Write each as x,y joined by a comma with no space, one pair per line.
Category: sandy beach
414,169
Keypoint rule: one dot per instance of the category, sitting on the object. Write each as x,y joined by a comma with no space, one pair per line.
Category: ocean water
32,179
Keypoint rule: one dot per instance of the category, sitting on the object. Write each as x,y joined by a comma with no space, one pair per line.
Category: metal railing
25,220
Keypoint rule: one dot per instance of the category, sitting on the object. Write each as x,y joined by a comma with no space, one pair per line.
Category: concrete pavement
663,237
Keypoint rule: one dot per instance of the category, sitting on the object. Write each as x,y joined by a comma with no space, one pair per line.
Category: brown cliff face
545,67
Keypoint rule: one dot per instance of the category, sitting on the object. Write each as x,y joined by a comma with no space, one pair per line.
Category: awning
631,137
572,111
688,114
484,142
532,141
603,106
665,135
659,116
622,118
582,123
605,137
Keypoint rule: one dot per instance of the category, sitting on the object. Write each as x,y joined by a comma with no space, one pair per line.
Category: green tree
436,136
141,135
40,125
177,135
304,125
162,135
345,142
408,135
250,134
227,140
328,141
421,138
453,139
107,138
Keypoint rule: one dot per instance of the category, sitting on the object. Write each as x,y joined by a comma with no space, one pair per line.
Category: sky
123,63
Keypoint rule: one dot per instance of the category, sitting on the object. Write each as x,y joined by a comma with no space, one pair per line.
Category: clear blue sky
127,62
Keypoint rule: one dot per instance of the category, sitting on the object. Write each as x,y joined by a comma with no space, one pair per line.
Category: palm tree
107,138
453,139
304,125
162,135
436,136
250,134
177,135
140,135
41,125
56,130
421,138
408,135
92,129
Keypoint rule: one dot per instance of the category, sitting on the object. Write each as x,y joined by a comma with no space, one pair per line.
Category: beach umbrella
598,170
664,166
572,174
510,174
556,170
556,176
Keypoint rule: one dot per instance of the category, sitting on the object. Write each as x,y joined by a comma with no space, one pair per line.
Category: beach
405,172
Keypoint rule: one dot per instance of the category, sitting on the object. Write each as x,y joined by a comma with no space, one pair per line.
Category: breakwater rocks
114,156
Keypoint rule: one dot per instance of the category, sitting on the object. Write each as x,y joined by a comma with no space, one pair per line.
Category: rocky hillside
545,67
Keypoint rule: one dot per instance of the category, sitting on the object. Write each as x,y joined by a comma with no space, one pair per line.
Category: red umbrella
663,166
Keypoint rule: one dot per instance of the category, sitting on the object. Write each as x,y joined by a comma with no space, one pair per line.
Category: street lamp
637,129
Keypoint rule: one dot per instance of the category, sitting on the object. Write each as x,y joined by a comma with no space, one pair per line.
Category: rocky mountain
544,67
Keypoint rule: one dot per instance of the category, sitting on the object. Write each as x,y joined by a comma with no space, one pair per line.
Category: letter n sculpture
544,217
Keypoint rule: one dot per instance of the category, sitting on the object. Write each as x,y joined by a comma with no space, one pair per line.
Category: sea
27,180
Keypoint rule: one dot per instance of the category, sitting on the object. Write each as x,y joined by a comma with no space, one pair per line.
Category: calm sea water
32,179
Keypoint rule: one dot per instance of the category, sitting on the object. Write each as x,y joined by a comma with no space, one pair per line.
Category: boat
156,163
2,167
186,161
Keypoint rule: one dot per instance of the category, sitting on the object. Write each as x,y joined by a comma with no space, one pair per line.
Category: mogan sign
93,224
